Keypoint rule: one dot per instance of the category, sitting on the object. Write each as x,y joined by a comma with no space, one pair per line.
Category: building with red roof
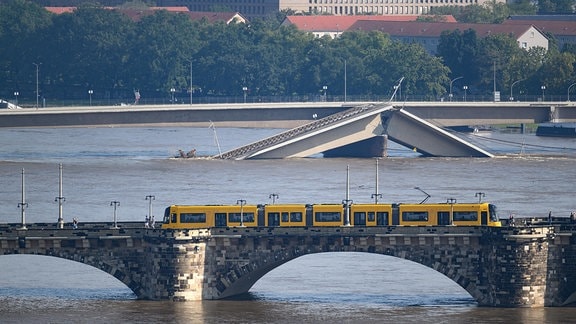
428,33
137,13
562,28
335,25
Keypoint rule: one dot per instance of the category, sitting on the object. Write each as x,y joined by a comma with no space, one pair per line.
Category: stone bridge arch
247,259
122,256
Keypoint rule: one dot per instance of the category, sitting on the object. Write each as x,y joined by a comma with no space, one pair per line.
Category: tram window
284,217
465,216
382,218
415,216
193,218
235,217
173,218
296,217
371,216
328,216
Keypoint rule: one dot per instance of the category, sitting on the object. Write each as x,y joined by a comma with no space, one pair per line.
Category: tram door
484,218
220,219
359,219
443,218
273,219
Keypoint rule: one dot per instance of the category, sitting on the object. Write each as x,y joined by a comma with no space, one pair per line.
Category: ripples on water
530,176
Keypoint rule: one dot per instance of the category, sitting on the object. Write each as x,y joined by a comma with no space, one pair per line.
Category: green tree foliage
103,50
21,25
459,50
556,6
522,7
85,50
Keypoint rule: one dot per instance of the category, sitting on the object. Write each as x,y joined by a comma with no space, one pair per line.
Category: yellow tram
303,215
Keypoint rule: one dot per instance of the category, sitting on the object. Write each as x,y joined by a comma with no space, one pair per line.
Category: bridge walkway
301,132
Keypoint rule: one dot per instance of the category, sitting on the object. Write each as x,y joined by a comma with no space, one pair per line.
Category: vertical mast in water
216,138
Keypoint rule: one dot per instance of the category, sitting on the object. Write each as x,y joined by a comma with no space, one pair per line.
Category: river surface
529,177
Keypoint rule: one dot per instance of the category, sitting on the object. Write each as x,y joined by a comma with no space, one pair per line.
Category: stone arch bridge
528,266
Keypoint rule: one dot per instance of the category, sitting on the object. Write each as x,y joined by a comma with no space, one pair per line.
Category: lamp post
16,94
115,203
172,91
512,89
570,87
90,92
325,88
37,73
451,201
543,87
22,205
274,196
345,81
376,195
452,81
60,199
245,89
150,198
465,91
480,195
191,87
241,202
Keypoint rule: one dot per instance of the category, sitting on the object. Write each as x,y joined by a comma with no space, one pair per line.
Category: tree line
104,51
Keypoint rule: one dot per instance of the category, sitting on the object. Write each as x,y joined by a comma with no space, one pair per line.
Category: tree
459,50
556,6
21,25
159,54
95,40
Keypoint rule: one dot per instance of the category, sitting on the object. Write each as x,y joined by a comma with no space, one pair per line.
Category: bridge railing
298,131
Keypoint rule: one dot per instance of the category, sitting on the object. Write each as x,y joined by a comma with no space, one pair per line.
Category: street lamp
465,91
273,196
115,203
37,73
512,88
325,88
60,199
172,90
245,89
480,195
452,81
570,87
22,205
16,94
543,88
241,202
90,92
150,217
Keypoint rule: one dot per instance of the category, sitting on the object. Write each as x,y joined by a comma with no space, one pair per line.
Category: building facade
373,7
262,8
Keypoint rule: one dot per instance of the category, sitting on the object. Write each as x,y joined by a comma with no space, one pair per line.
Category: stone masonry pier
523,266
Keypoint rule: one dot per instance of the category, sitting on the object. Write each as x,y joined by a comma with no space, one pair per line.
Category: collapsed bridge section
350,126
356,127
